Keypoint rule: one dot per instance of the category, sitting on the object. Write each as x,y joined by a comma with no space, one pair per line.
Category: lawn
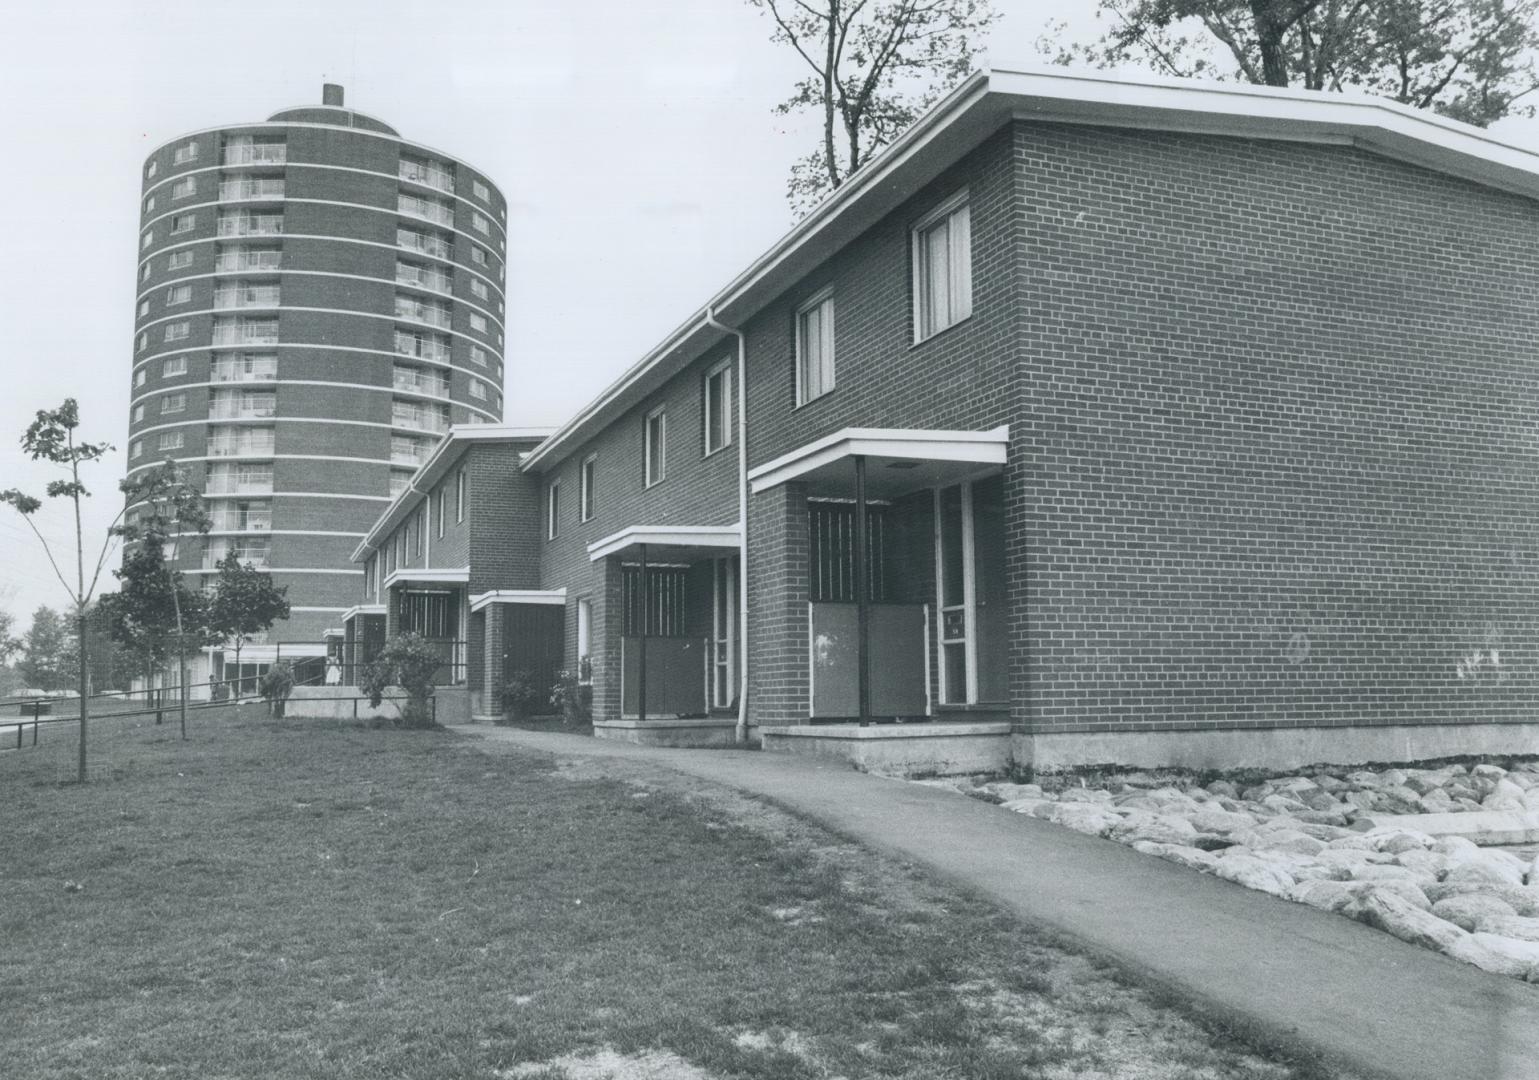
302,899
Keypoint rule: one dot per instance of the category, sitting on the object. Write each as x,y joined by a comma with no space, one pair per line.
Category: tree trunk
84,709
1271,27
830,85
238,642
181,660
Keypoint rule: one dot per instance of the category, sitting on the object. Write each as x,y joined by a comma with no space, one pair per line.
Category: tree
1471,60
10,644
170,509
875,66
45,652
243,602
51,438
409,661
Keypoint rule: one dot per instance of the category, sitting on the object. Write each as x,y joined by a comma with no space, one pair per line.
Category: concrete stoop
927,748
699,731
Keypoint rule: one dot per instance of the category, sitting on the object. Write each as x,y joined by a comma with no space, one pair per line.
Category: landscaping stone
1395,915
1085,818
1244,868
1520,898
1190,857
1213,820
1494,866
1512,926
1525,952
1473,952
1467,911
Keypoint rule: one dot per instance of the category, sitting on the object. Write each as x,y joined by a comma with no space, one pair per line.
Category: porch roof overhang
686,542
335,631
517,596
361,609
271,654
423,576
898,460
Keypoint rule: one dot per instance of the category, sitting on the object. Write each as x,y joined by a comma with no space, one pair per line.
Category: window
479,223
459,495
478,355
478,389
478,287
587,476
178,294
139,413
149,205
136,448
178,331
186,186
477,256
441,496
184,153
147,239
176,365
170,440
718,407
655,450
478,322
144,341
144,308
139,377
422,527
183,223
481,191
943,274
552,508
179,260
173,403
815,349
152,169
144,270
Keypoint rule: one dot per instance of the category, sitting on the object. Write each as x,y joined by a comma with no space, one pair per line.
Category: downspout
742,521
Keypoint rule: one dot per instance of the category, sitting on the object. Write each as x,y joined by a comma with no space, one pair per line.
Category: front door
972,610
534,636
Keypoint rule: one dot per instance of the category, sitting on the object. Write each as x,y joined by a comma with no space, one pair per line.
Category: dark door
533,640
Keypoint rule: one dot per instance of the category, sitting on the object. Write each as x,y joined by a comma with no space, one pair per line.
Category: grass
297,899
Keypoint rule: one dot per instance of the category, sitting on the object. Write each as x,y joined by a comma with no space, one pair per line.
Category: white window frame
587,477
139,377
478,256
183,223
136,449
829,340
552,509
138,416
179,260
179,399
144,340
442,498
169,440
960,284
723,369
144,307
481,191
478,322
584,636
478,356
478,287
660,415
178,331
147,239
459,495
178,294
185,188
477,389
173,365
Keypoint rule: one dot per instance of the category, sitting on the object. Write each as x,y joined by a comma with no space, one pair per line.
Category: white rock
1523,900
1193,858
1424,864
1395,915
1024,806
1085,818
1161,829
1395,841
1333,896
1343,859
1513,926
1085,795
1213,820
1454,845
1513,948
1254,872
1355,842
1487,866
1380,872
1292,841
1504,796
1468,910
1008,792
1473,952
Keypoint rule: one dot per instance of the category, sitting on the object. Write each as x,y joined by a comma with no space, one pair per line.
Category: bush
516,696
573,695
274,686
410,662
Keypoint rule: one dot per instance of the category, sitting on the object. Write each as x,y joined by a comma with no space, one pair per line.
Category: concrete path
1288,974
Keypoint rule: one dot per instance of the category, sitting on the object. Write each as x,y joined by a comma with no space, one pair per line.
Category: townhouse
1093,421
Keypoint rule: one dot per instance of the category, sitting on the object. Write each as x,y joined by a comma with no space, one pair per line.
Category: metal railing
434,176
256,154
248,260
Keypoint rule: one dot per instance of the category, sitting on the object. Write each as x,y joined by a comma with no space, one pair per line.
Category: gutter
742,520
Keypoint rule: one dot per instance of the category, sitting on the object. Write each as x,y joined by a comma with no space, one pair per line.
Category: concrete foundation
921,749
683,733
1280,748
336,703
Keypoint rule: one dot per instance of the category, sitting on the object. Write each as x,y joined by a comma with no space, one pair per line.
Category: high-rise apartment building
318,301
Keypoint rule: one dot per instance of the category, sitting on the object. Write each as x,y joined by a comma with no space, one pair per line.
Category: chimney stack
331,94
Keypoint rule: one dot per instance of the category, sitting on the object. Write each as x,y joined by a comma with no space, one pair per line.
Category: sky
635,140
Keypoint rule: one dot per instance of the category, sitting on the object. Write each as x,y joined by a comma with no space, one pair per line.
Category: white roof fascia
722,536
426,576
979,447
362,609
518,596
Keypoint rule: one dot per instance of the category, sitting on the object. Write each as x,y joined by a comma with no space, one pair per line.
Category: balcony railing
248,260
251,521
240,190
256,154
423,278
420,420
246,334
262,296
432,314
427,245
222,484
403,456
256,557
423,348
241,449
243,410
242,225
431,175
426,209
421,384
241,372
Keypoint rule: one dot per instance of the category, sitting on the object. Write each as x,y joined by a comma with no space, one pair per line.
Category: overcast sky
634,139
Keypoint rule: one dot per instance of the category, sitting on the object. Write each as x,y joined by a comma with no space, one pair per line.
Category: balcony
412,240
247,261
242,520
253,554
248,296
428,174
414,382
412,452
422,277
241,447
250,225
414,417
246,407
239,483
432,314
255,153
427,209
245,370
246,333
422,347
245,190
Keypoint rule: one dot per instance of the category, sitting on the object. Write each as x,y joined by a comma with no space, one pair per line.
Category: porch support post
641,638
862,597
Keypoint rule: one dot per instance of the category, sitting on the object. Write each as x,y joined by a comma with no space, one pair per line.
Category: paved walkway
1357,997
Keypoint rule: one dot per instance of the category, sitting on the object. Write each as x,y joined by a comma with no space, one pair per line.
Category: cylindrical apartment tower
318,300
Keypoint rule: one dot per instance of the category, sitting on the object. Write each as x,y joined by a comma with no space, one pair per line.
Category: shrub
573,696
410,662
516,696
274,686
